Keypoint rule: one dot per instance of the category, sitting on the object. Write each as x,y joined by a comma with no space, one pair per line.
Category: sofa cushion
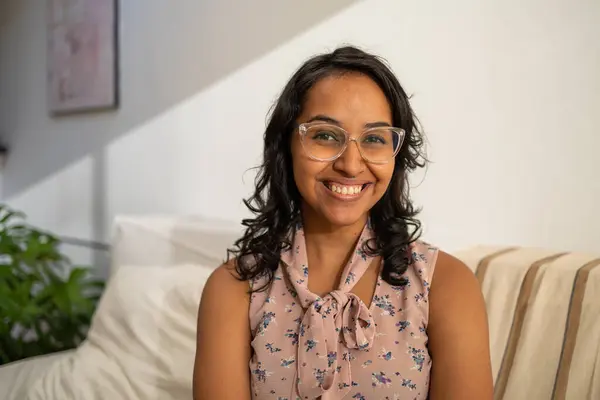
18,376
141,344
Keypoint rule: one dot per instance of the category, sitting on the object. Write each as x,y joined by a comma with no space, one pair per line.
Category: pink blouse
335,347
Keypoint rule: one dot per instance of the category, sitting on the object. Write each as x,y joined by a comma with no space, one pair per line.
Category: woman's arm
458,334
221,369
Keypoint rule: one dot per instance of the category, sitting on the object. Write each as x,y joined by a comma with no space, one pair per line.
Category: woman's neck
327,246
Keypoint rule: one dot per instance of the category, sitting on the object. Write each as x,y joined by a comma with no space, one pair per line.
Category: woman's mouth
345,192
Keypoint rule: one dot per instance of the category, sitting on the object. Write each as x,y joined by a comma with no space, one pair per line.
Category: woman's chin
335,214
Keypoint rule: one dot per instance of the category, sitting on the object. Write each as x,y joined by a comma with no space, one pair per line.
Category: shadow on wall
167,54
4,14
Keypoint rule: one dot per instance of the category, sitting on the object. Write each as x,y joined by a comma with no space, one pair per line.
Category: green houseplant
46,303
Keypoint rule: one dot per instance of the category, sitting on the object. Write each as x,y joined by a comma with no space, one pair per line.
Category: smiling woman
330,293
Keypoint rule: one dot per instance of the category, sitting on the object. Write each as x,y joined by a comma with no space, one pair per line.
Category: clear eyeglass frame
303,130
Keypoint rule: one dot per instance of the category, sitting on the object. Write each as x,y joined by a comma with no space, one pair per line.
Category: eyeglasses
326,142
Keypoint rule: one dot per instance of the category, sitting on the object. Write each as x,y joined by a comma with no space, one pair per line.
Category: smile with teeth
347,190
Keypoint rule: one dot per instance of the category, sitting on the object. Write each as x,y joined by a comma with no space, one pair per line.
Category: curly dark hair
276,201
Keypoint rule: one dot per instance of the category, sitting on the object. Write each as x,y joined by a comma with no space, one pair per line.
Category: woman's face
353,102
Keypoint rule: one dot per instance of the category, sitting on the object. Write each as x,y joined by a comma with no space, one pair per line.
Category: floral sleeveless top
335,347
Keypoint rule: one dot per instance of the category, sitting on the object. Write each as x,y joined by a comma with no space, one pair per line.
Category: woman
331,295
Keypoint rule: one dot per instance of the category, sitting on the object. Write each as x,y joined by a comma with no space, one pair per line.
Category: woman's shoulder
224,286
437,270
454,287
450,269
437,265
226,273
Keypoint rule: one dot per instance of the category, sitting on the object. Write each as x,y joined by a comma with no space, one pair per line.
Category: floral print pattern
335,346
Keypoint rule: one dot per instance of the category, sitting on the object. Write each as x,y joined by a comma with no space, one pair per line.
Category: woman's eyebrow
330,120
324,118
377,124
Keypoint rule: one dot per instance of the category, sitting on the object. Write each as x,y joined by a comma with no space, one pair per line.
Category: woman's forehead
351,99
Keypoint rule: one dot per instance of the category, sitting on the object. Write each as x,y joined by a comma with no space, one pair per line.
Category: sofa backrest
170,240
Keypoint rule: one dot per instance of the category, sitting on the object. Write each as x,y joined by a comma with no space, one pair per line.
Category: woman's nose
350,162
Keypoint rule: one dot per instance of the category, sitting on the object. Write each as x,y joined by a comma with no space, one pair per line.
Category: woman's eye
374,139
324,136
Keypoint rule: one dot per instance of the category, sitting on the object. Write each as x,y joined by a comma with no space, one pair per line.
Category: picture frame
82,56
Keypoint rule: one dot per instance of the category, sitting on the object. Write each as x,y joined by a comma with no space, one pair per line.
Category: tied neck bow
332,326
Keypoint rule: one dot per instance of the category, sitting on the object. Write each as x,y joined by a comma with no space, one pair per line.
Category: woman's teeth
348,190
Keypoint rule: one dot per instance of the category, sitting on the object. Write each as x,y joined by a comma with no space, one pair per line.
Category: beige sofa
544,313
142,340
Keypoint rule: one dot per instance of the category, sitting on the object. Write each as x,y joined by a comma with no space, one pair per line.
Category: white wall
508,93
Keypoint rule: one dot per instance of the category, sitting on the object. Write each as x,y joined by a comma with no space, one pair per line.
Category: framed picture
82,55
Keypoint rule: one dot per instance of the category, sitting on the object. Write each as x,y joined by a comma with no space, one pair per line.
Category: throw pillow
141,344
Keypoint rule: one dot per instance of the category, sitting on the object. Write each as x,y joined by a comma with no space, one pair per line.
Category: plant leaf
46,304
